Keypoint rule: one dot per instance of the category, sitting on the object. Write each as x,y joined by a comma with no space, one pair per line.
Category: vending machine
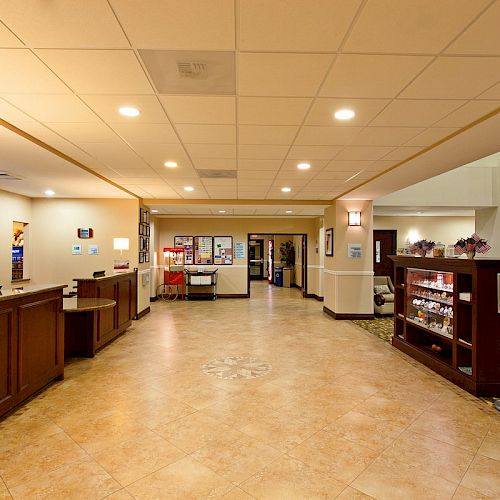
270,262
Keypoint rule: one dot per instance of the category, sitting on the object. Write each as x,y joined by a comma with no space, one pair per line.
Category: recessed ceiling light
129,111
49,192
153,211
222,211
189,188
344,114
286,189
289,212
303,166
170,164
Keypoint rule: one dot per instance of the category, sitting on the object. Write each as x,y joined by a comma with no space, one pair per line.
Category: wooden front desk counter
31,341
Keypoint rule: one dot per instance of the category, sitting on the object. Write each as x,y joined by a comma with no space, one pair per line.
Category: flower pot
471,254
421,252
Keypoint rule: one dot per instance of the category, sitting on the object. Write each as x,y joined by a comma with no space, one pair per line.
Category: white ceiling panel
8,39
327,136
455,78
363,152
107,107
207,134
430,136
250,175
156,154
215,164
272,110
159,190
85,132
114,155
62,24
11,114
146,132
356,75
347,165
227,151
402,153
295,25
492,93
23,73
259,165
98,71
264,152
385,136
266,134
189,24
468,113
200,109
410,26
285,75
138,173
313,152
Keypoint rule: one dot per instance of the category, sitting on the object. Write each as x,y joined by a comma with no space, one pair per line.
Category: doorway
384,244
256,259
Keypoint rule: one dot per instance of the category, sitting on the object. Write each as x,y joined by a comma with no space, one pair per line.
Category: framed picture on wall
146,257
141,257
329,242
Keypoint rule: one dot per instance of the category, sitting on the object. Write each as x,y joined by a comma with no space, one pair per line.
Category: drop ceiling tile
334,176
295,25
23,73
455,78
374,76
410,26
134,181
219,183
89,24
190,24
363,152
11,114
323,110
8,39
207,134
284,75
430,136
215,164
200,109
266,134
481,37
115,155
138,173
159,190
107,106
179,174
143,193
261,165
402,153
385,136
98,71
492,93
251,175
468,113
272,110
84,132
313,152
146,132
316,166
347,166
264,152
327,136
63,108
415,113
380,165
211,150
156,154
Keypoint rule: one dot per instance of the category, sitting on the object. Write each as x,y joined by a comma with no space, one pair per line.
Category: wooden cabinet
446,316
31,342
122,288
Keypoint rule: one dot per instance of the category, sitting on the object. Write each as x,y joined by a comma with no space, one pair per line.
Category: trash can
278,276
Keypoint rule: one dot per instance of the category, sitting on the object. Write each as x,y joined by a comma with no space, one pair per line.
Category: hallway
322,410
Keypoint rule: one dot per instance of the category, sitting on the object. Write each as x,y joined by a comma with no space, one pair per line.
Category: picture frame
223,250
146,257
141,257
329,242
140,229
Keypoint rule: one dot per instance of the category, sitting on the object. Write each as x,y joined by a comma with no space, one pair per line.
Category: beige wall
447,230
54,231
18,208
233,279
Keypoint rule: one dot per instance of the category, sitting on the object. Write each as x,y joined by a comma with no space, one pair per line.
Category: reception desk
121,288
31,341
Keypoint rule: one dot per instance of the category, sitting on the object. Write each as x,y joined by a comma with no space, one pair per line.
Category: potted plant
421,247
287,252
471,245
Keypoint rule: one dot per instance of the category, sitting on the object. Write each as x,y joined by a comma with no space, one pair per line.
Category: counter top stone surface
22,291
75,304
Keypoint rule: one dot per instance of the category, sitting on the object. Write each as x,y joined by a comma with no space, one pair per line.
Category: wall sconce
354,218
120,244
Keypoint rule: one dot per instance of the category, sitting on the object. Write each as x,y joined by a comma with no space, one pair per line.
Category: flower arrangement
471,245
421,247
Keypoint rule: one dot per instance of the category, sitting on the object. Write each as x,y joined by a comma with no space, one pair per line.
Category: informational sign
223,250
121,266
203,250
93,250
85,232
76,249
354,250
239,250
185,242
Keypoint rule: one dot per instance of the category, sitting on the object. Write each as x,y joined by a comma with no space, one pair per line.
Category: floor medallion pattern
236,367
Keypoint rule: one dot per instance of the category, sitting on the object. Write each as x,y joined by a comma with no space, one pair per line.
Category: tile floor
341,414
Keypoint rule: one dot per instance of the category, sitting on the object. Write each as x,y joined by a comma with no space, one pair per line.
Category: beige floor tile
81,480
463,493
292,479
131,460
491,446
344,459
365,430
483,476
390,479
120,495
4,492
237,494
236,459
185,479
353,494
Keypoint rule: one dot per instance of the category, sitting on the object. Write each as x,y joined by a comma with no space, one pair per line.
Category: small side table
81,327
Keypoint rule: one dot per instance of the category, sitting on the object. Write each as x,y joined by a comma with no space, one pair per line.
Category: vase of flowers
471,246
421,247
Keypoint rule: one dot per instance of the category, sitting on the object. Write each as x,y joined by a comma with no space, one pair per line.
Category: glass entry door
256,259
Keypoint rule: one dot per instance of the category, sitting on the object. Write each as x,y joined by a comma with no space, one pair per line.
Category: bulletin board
223,250
185,242
203,250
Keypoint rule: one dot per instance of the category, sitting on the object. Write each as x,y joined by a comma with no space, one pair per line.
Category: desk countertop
83,304
22,291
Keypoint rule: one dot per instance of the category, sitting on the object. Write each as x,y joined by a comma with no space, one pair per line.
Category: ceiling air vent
5,176
196,70
217,174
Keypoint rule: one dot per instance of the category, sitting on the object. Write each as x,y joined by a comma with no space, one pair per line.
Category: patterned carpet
383,328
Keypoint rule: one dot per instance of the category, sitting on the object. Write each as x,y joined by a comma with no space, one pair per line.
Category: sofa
383,295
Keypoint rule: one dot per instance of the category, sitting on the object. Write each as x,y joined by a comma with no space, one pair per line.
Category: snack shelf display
447,316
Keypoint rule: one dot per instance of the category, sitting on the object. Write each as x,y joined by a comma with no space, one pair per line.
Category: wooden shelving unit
459,339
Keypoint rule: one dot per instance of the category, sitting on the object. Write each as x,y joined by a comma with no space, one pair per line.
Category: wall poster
203,250
223,250
329,242
185,242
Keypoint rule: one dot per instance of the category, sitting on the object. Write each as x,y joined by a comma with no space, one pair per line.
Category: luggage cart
195,280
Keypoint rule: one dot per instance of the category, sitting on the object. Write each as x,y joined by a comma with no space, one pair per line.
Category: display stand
173,275
447,316
201,285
